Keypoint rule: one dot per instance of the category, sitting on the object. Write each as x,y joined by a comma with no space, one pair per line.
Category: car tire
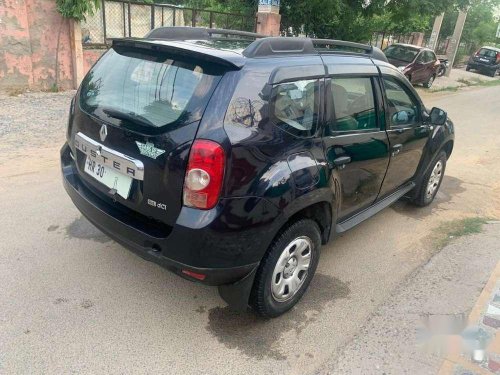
493,73
287,269
430,81
431,182
467,68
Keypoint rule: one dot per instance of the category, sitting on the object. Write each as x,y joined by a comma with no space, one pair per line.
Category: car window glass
296,105
421,57
428,56
401,53
487,52
402,108
353,104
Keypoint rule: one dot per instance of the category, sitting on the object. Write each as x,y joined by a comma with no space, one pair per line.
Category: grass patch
450,230
479,82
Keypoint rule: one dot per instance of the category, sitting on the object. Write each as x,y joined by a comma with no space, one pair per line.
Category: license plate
107,176
483,60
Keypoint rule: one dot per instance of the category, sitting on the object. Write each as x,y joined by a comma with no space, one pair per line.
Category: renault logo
103,133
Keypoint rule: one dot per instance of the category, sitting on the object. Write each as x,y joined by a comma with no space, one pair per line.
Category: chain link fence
118,19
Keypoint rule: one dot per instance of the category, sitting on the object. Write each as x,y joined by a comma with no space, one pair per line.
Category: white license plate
483,60
107,176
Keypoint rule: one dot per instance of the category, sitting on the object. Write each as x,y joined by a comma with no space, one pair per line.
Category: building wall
28,42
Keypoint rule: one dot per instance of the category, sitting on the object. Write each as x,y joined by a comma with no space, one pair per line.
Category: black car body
486,60
418,64
286,128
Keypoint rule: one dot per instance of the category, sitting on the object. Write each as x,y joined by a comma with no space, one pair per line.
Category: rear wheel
287,269
493,73
429,82
431,181
467,68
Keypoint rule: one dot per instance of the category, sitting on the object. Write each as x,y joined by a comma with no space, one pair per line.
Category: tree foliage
77,9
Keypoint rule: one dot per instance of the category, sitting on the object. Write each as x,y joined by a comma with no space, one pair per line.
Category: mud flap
237,295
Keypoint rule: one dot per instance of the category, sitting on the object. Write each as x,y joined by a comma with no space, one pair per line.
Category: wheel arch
320,212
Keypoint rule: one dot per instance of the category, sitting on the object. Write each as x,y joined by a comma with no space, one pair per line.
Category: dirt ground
74,301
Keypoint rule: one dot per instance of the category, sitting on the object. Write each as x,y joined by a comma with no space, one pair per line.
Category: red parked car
418,64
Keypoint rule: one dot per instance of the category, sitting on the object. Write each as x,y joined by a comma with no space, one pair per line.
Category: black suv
230,158
486,59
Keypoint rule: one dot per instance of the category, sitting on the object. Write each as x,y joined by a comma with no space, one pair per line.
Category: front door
407,134
355,142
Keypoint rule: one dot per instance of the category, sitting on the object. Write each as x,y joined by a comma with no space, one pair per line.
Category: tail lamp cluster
204,175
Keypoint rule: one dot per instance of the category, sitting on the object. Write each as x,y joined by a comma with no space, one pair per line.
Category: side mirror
400,118
438,116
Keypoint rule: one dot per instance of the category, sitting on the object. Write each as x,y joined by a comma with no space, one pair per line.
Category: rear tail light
498,57
204,175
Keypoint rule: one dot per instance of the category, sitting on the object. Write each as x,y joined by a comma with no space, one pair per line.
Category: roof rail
293,46
198,33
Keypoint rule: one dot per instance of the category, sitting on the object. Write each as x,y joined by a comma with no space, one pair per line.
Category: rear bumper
482,66
204,242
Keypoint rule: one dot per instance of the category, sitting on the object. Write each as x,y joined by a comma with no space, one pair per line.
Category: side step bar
377,207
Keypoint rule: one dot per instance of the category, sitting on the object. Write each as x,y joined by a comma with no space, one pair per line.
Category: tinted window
429,57
137,89
295,106
354,104
402,53
402,108
485,52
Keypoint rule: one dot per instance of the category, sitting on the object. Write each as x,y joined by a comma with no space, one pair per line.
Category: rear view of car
486,60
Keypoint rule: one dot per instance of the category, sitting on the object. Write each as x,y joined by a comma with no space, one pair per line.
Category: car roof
410,46
234,47
492,48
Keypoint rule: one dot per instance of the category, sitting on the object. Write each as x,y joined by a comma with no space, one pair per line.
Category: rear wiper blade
131,116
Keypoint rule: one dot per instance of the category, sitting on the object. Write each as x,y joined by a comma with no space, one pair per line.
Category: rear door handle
396,149
342,161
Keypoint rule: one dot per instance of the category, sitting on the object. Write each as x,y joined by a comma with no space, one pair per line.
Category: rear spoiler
228,59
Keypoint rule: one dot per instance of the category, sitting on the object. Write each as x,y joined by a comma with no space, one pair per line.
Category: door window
402,108
354,104
296,105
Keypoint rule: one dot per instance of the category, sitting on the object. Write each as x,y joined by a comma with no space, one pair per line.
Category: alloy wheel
291,269
434,179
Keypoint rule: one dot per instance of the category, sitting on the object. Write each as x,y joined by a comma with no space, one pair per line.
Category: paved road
71,300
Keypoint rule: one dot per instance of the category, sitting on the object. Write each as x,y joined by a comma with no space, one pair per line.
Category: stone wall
28,43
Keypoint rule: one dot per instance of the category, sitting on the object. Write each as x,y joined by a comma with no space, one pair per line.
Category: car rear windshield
487,52
402,53
139,89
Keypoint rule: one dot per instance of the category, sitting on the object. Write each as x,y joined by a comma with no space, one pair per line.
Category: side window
421,58
431,56
403,109
354,104
295,106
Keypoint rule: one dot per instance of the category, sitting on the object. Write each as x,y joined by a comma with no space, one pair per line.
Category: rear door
136,115
405,129
355,141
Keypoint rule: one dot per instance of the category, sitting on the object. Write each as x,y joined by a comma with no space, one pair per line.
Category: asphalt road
71,300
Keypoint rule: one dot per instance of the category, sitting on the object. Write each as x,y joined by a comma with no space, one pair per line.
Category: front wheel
287,269
429,82
431,181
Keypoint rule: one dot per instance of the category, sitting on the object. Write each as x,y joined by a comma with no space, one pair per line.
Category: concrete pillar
77,52
268,17
451,52
417,38
433,40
